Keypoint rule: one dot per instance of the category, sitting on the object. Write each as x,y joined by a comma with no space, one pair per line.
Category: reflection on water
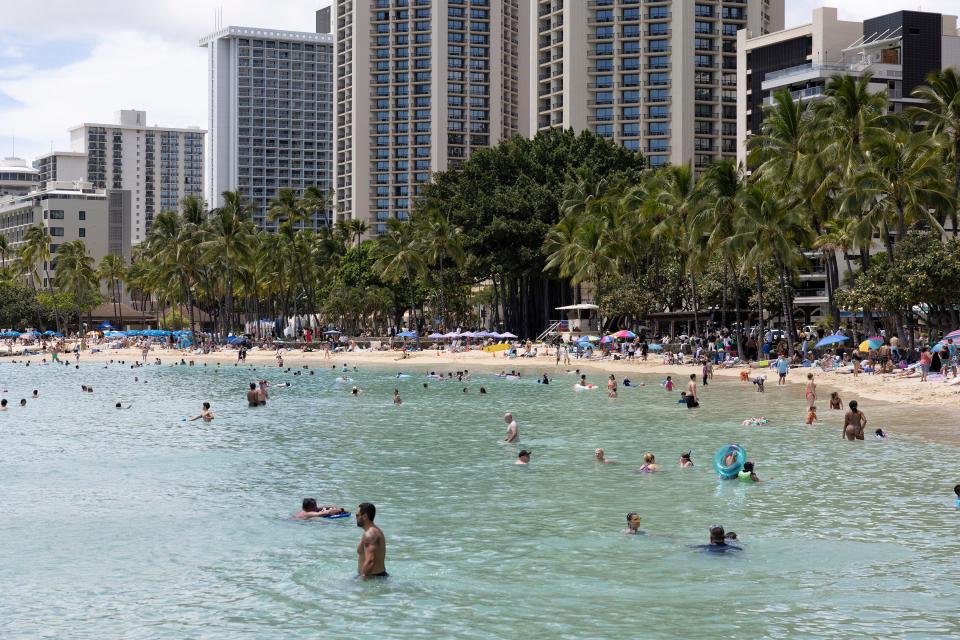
132,523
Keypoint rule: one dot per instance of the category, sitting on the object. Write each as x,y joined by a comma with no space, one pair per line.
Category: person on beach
600,457
705,370
854,423
811,415
253,398
633,524
205,414
811,391
685,461
649,464
310,509
759,381
835,401
783,367
513,430
523,457
372,549
692,400
926,360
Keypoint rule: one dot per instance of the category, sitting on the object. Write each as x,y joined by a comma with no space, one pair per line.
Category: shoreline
934,406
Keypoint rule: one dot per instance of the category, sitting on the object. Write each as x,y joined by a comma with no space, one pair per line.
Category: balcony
801,94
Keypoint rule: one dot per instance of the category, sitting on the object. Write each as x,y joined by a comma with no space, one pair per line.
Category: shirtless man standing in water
854,423
513,431
372,549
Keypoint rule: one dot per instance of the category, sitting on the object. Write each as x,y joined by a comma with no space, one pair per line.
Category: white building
420,86
159,166
69,211
271,114
657,76
16,178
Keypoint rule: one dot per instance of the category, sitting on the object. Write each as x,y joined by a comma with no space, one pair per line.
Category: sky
64,62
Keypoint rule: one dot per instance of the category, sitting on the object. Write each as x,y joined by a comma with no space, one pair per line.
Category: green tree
940,115
113,271
399,259
77,277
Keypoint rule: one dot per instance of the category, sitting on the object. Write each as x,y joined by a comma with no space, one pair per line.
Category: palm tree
35,250
77,276
400,258
353,229
439,240
770,232
779,151
941,116
315,203
230,246
4,249
113,270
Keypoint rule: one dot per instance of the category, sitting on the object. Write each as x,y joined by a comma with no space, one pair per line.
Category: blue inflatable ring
731,470
337,516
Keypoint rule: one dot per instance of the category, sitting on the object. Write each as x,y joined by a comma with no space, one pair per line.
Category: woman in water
601,457
811,391
685,461
649,464
746,474
612,386
835,401
854,423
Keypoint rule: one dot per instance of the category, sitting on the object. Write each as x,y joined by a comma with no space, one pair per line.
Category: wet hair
483,390
23,402
310,504
253,386
809,376
685,456
118,405
748,467
693,376
648,457
717,534
853,406
956,490
367,509
730,535
631,514
206,405
3,402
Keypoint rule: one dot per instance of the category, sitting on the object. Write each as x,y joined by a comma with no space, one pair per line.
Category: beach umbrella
870,343
655,347
953,334
937,347
331,332
135,332
10,334
407,334
105,325
48,332
625,335
507,334
832,340
114,334
435,336
607,339
451,334
56,335
591,338
468,334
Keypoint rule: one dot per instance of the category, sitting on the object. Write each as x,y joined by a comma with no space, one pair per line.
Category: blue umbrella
407,334
655,347
831,340
10,334
105,325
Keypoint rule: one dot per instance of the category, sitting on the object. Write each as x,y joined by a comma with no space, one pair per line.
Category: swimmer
310,509
465,390
601,457
396,397
263,391
612,386
513,430
36,394
692,400
812,415
372,550
685,461
83,388
205,413
853,423
89,389
253,398
633,524
119,405
523,457
483,391
545,380
879,434
956,491
718,542
835,401
668,384
23,402
649,464
356,392
811,391
746,474
3,404
425,385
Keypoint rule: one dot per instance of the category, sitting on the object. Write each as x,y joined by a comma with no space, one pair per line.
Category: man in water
853,423
253,398
718,541
372,550
205,413
633,524
310,509
513,431
692,399
523,457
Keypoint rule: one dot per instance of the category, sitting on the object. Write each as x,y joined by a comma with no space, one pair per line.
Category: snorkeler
685,461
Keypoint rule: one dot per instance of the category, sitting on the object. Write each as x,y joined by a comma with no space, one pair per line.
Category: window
56,231
56,214
83,215
82,232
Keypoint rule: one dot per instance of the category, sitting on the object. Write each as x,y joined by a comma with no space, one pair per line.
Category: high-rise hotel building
159,166
422,84
271,114
658,76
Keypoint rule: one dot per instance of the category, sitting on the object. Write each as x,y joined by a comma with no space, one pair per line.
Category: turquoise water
133,524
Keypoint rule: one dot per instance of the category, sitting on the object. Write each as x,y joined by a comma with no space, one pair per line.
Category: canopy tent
507,334
435,336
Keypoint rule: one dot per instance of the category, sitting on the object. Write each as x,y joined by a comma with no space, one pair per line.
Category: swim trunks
382,574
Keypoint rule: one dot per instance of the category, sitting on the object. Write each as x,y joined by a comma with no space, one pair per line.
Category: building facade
421,85
271,114
69,211
897,50
16,178
159,166
657,76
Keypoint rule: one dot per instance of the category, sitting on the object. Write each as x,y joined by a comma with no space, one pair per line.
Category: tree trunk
760,320
723,297
785,305
693,301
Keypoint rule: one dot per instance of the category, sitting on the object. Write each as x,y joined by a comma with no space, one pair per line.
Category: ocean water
135,524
